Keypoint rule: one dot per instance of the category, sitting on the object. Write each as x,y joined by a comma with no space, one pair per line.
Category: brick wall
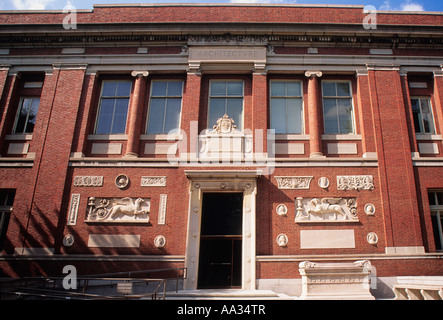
67,114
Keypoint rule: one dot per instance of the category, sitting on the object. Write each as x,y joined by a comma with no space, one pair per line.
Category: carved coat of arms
225,125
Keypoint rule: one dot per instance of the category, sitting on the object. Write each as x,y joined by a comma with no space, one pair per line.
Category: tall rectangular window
165,106
286,107
226,97
422,114
113,107
338,114
6,202
26,115
436,206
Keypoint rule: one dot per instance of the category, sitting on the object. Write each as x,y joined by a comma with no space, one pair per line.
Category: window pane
23,115
124,89
32,116
119,125
345,115
439,198
277,89
235,88
330,116
217,110
159,88
428,122
109,88
343,89
329,89
218,88
235,111
436,229
156,116
424,105
175,88
278,115
417,122
105,116
294,116
172,117
415,105
431,196
293,89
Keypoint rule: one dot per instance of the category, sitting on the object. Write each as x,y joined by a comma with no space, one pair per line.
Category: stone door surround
221,181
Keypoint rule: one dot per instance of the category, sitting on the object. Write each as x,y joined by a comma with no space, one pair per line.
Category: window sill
108,137
341,136
423,136
161,137
19,137
291,137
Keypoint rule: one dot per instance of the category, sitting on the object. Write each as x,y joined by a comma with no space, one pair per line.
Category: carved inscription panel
293,182
363,182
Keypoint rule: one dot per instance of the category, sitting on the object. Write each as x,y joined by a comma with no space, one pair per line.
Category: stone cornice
11,40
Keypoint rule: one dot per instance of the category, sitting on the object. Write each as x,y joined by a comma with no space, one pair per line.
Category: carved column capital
136,73
315,73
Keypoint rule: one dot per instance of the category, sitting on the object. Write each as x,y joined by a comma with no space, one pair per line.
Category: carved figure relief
122,181
372,238
293,182
282,210
369,209
68,240
365,182
323,182
326,210
282,240
118,210
160,241
224,125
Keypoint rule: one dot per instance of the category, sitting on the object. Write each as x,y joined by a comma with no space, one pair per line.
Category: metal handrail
54,291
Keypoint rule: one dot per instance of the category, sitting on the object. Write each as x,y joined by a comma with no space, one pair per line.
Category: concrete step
226,294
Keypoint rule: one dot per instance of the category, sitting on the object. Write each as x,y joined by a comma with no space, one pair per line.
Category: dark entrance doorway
220,262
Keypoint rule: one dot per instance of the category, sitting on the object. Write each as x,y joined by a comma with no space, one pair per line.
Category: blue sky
398,5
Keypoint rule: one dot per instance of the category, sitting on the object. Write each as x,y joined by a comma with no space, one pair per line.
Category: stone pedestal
335,281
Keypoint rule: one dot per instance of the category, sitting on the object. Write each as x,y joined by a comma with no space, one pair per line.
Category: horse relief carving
326,210
118,210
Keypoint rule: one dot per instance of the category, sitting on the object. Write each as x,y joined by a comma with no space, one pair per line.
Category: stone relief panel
364,182
73,209
88,181
162,209
326,210
127,210
153,182
225,142
293,182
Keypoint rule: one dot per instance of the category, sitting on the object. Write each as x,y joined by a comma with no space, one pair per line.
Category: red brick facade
386,68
